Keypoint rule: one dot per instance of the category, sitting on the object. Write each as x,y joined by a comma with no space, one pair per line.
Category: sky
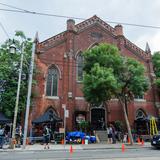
143,12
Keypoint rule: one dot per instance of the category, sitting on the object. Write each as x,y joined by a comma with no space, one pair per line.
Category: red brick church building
59,75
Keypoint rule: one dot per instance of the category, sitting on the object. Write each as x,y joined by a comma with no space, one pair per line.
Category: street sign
67,113
63,106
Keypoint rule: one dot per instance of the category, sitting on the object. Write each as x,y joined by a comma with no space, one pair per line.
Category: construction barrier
153,126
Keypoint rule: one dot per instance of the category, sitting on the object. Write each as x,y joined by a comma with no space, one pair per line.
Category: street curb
43,150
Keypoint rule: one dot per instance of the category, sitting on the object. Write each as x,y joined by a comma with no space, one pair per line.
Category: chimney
118,30
70,25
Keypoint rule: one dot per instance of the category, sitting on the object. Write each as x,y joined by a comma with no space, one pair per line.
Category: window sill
52,97
79,98
140,100
79,81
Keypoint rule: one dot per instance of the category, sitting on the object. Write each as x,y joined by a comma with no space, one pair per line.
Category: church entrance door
97,118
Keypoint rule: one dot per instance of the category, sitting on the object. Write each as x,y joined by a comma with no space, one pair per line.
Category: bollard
82,141
123,147
71,150
139,142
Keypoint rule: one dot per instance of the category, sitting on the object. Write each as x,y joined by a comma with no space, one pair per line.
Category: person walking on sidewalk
46,135
110,132
2,135
18,136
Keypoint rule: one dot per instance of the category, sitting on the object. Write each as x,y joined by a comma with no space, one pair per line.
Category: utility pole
64,107
29,93
17,98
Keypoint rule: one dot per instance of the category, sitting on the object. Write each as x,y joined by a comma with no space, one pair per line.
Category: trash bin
86,141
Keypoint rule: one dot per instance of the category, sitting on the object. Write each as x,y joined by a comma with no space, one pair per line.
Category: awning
47,117
4,119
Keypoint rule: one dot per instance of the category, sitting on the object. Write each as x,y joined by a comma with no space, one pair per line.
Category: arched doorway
97,118
141,122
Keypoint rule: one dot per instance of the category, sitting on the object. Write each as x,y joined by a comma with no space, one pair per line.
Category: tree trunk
127,121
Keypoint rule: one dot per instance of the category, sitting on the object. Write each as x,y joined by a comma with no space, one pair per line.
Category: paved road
103,154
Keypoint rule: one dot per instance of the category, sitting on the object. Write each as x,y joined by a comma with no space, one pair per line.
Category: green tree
108,74
83,126
9,70
156,67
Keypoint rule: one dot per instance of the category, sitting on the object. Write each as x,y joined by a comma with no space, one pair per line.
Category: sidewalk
61,147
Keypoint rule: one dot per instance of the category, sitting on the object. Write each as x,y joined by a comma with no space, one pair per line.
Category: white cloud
155,42
152,39
144,12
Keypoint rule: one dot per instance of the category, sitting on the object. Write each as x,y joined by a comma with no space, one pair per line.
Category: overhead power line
20,10
4,30
42,14
10,6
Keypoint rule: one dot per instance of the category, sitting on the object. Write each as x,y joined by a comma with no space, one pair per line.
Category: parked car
155,141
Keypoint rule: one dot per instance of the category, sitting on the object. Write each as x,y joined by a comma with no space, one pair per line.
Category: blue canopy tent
77,135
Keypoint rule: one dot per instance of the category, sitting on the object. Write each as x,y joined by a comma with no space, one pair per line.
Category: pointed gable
116,33
94,20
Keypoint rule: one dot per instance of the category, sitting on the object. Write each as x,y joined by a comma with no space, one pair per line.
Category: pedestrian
18,136
2,135
46,135
125,138
113,134
102,123
110,132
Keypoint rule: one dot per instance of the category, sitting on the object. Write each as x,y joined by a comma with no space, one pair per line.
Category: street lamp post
13,50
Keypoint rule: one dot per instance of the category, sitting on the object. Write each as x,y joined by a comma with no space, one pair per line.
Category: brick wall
61,50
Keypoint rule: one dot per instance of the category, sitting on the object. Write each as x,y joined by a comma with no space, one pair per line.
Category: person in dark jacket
46,135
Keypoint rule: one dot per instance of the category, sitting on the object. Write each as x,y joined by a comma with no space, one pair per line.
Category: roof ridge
52,39
92,20
134,47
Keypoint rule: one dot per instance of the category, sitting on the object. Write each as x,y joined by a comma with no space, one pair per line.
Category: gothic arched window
79,63
52,82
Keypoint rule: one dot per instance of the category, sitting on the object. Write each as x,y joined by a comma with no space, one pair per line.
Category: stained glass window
52,82
79,62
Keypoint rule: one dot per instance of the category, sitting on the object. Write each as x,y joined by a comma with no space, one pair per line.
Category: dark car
155,141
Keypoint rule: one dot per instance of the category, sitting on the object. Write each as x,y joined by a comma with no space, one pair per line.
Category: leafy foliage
99,84
83,126
9,70
131,79
108,74
119,125
99,81
156,67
